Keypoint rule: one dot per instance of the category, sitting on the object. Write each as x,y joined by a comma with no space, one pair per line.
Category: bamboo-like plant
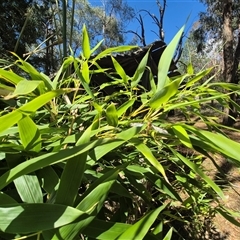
78,166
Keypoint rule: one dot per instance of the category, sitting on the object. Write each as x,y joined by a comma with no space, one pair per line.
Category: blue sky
176,14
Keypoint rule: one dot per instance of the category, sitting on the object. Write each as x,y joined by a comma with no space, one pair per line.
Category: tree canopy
34,28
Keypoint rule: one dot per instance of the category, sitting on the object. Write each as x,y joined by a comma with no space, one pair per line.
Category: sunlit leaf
113,50
163,95
166,59
46,160
29,134
112,115
12,118
85,72
182,135
198,77
29,189
10,76
141,228
97,46
119,70
27,218
197,170
147,153
92,202
190,69
169,234
85,43
140,71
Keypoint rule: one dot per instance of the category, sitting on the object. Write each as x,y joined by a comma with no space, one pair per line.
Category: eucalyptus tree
15,15
221,21
107,21
34,28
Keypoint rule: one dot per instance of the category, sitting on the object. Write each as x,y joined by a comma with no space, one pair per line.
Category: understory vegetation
76,163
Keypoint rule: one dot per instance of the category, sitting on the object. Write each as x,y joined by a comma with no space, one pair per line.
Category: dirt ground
229,180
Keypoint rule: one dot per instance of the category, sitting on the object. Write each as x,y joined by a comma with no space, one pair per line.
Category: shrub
78,166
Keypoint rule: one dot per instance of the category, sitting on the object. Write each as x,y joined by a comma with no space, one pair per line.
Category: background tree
221,21
36,27
13,16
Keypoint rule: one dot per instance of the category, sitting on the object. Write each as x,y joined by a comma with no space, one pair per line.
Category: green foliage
78,166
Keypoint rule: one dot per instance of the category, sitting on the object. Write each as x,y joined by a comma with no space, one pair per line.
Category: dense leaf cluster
78,166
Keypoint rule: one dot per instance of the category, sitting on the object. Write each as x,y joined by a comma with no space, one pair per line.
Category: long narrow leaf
72,175
113,50
197,170
92,203
147,153
10,77
29,134
182,135
29,189
27,218
46,160
166,59
12,118
140,71
85,43
162,96
141,228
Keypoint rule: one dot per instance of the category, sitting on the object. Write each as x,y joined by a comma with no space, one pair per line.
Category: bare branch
142,36
156,20
143,40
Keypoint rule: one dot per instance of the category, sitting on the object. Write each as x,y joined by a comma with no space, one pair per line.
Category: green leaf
112,115
141,228
61,72
12,118
113,50
182,135
85,72
92,202
5,199
46,160
97,46
169,234
119,70
34,217
190,69
195,168
85,43
49,179
35,75
147,153
162,96
99,151
24,87
166,188
198,77
10,77
73,172
140,71
218,142
103,230
81,78
6,90
29,189
227,215
29,134
166,59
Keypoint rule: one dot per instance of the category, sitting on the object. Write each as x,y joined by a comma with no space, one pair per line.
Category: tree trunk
229,115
